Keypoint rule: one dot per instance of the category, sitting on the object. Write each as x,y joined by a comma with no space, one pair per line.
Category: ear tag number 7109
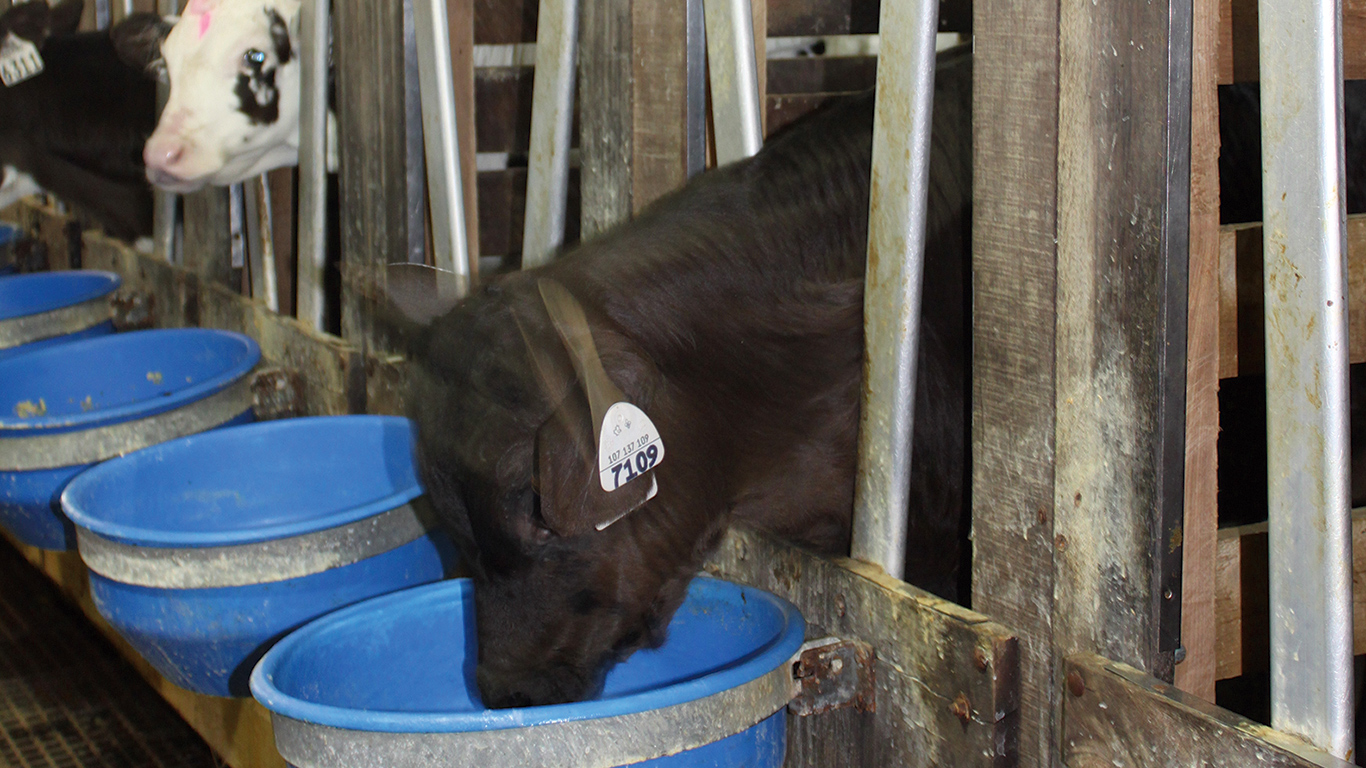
19,60
629,446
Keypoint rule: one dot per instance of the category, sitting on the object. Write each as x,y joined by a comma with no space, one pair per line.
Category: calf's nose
163,154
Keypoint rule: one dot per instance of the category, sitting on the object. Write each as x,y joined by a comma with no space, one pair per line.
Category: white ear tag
628,447
19,60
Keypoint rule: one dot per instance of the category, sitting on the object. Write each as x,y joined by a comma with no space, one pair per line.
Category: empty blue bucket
205,550
46,308
69,406
391,682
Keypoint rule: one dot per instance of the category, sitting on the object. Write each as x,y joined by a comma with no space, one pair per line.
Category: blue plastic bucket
391,682
69,406
205,550
46,308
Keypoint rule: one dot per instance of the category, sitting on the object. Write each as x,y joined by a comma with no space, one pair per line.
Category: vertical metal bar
696,110
417,171
261,243
896,246
312,215
164,203
552,116
103,14
734,79
127,7
446,194
237,242
1306,370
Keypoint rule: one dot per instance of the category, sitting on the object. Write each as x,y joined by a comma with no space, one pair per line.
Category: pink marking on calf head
204,24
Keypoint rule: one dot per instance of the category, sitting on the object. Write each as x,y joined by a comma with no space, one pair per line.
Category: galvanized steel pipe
891,299
314,23
1304,256
734,79
552,116
450,251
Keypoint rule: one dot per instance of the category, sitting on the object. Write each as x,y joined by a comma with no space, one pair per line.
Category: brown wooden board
947,682
605,114
1241,301
659,98
502,209
1196,673
1015,124
821,74
372,143
1123,204
1117,715
208,240
1239,57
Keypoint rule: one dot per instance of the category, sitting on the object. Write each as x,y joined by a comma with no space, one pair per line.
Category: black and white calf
233,110
77,126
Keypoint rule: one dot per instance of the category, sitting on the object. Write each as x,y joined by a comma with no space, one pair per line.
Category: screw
979,657
1075,684
961,708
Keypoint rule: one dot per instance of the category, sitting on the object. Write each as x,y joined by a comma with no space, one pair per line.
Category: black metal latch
832,673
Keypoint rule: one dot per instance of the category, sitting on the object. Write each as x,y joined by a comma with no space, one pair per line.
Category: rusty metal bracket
833,673
277,393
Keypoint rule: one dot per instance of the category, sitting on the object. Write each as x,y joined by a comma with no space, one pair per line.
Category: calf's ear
31,21
572,499
137,40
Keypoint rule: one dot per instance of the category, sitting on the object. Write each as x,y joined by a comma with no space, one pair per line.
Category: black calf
731,313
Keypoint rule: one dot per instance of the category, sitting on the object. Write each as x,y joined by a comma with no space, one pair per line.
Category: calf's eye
254,57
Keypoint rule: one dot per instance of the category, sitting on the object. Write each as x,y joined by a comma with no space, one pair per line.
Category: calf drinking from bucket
730,314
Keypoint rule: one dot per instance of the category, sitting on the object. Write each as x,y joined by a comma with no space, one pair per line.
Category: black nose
502,689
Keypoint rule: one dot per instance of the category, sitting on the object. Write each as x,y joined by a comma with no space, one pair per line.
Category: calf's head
233,108
568,577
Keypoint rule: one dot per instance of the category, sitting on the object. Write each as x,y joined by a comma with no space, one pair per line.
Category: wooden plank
1241,588
1242,344
821,74
238,730
1120,336
1015,128
932,658
1195,674
1117,715
659,99
505,21
605,114
502,205
1239,58
281,181
208,240
372,142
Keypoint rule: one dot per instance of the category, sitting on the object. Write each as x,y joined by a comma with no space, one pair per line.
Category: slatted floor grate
67,699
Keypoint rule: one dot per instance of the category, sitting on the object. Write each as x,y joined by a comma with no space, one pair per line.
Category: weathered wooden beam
1117,715
1239,58
1123,244
947,678
372,144
1195,674
1241,329
1015,128
208,240
1241,589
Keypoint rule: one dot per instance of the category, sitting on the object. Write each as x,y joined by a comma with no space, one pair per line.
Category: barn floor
67,699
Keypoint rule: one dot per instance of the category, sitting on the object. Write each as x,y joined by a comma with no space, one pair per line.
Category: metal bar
450,252
103,14
261,244
1306,370
312,215
416,166
552,117
127,7
696,109
237,215
734,79
896,245
164,203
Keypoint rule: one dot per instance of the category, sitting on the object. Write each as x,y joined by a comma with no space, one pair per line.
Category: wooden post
1079,336
632,102
1195,674
208,241
1015,125
372,134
